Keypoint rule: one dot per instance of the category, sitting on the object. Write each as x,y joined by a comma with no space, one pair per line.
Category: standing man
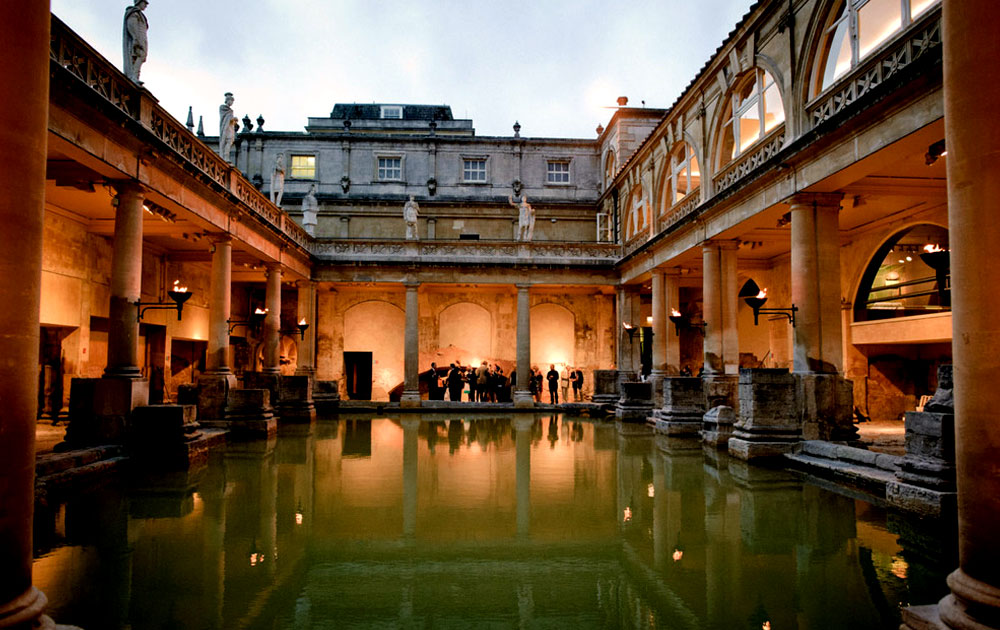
553,378
454,379
134,42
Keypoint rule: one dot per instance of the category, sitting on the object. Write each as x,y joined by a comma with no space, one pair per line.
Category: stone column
660,322
217,359
24,58
126,283
730,303
272,322
972,134
815,265
522,395
307,311
411,352
712,308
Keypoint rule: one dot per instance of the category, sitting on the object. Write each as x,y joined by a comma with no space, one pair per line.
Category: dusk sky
553,65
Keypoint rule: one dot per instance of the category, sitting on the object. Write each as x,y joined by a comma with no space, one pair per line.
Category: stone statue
410,210
278,179
134,42
309,209
525,218
227,127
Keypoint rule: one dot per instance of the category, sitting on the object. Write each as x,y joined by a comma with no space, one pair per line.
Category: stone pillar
660,322
126,284
522,395
972,134
272,322
411,352
217,358
307,347
815,265
712,308
24,59
721,333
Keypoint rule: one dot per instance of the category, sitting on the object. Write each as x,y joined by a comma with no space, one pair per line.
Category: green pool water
502,522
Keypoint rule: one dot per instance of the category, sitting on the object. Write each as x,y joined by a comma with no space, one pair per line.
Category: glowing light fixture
178,294
755,297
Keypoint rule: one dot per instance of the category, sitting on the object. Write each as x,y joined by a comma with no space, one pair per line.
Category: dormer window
392,111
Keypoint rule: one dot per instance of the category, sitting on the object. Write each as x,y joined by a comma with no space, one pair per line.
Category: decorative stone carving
411,214
432,185
525,218
227,127
345,183
134,42
278,179
310,207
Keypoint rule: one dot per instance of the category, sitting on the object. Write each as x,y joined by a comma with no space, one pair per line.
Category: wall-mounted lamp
631,330
755,297
939,259
256,319
179,295
299,328
935,151
683,321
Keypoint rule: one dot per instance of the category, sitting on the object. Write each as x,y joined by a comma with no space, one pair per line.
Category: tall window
474,169
685,176
857,28
303,167
390,168
557,172
754,109
610,166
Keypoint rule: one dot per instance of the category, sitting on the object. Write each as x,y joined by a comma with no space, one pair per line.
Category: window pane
919,6
695,173
877,20
749,125
774,113
682,184
838,60
558,172
727,147
303,166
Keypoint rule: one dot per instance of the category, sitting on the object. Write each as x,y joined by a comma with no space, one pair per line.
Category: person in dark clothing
553,378
576,378
454,379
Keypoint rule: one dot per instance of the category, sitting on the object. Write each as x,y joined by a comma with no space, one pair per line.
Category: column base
410,399
972,605
128,371
749,450
523,400
213,394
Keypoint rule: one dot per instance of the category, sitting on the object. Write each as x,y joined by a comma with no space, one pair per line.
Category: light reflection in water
504,521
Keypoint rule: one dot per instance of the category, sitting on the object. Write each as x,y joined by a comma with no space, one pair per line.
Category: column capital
721,243
411,285
822,200
272,267
523,286
128,187
220,237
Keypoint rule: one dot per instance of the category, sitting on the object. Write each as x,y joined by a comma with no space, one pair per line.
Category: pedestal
636,402
768,423
101,409
925,482
683,407
213,393
826,403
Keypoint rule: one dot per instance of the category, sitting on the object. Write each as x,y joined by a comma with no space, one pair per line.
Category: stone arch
725,114
815,37
469,326
378,327
862,280
553,335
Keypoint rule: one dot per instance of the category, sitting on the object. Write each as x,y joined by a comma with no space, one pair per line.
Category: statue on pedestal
278,179
134,42
309,209
525,218
227,127
410,215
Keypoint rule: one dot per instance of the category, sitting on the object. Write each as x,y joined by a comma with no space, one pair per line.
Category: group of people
484,384
491,384
557,381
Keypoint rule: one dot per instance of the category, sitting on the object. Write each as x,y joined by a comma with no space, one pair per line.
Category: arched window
610,164
909,275
856,28
753,110
684,177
